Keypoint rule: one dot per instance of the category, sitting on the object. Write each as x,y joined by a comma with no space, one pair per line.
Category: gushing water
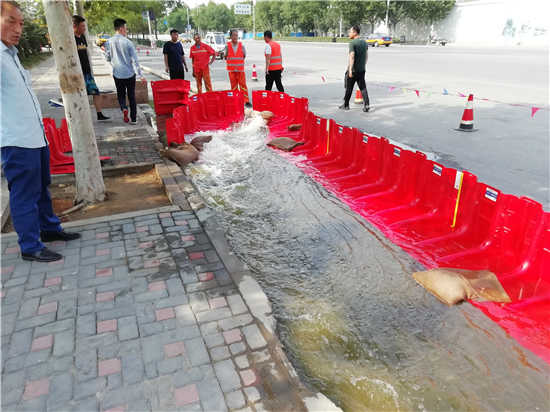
352,320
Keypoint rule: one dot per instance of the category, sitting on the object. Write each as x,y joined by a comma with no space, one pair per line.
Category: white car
217,42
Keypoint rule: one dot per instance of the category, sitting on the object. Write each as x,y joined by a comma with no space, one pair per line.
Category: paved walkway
140,315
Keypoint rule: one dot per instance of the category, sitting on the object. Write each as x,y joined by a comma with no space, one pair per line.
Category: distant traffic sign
242,8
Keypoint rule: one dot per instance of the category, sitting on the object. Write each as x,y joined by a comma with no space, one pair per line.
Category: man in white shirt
25,153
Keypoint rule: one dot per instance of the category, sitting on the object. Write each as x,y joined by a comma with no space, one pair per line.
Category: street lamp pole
387,16
253,20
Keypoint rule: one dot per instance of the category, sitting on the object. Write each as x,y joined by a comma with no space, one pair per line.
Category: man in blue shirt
25,153
174,57
121,53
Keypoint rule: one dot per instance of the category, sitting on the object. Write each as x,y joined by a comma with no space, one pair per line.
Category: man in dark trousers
79,28
358,57
121,53
174,57
25,154
273,63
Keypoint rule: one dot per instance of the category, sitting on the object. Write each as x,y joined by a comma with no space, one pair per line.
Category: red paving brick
104,272
106,326
6,270
103,235
47,308
57,262
181,222
186,395
188,238
218,302
102,252
108,367
116,409
145,245
52,281
159,285
34,389
249,377
142,229
164,215
104,296
151,263
11,250
166,313
232,336
196,255
43,342
172,350
206,276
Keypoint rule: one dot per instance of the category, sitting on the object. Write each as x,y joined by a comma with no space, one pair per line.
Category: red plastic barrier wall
169,94
442,217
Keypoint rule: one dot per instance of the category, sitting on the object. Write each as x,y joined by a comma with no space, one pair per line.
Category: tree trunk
89,179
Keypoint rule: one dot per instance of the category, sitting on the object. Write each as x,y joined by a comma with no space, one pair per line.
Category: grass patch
30,61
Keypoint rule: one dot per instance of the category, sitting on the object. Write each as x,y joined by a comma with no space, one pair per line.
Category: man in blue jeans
25,153
121,53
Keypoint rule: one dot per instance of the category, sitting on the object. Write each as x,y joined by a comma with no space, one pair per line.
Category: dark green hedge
32,39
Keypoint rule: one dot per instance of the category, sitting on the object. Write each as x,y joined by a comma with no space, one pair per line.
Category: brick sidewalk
140,315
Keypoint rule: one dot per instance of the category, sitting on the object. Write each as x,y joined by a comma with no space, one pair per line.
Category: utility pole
340,25
387,16
253,20
149,24
188,31
89,178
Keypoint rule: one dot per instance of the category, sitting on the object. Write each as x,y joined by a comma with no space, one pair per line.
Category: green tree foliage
213,16
35,31
177,19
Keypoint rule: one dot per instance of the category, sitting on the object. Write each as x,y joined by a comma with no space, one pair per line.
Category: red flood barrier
169,94
440,216
59,142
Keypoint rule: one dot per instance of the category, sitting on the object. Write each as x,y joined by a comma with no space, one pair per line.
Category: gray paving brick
86,365
211,315
114,381
63,343
237,348
63,364
84,389
254,337
132,367
235,400
54,327
96,341
87,404
219,353
150,329
14,364
236,304
29,308
201,286
127,328
235,322
172,301
252,394
128,228
188,277
151,296
196,351
211,395
66,309
214,340
32,405
15,281
198,302
114,286
151,370
115,313
169,366
184,315
151,349
34,358
86,325
227,375
61,388
39,371
20,342
175,286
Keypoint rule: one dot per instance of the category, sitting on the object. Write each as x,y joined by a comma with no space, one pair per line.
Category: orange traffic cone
467,122
358,97
254,74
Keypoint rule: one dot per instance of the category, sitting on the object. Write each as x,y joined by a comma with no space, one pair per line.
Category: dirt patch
126,193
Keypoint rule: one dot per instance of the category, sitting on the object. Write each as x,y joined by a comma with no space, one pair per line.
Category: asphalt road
510,150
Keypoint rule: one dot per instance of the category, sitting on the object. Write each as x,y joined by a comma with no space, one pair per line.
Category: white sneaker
133,121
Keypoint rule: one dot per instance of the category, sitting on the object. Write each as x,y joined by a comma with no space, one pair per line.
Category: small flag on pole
323,79
417,93
534,110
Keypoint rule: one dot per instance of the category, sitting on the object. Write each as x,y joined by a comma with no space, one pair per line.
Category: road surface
510,151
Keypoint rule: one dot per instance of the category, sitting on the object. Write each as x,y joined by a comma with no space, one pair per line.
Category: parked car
102,39
439,41
217,41
378,39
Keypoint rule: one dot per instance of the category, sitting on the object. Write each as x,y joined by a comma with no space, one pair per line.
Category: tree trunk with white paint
89,178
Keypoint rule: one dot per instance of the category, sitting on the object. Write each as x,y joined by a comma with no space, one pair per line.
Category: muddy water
352,320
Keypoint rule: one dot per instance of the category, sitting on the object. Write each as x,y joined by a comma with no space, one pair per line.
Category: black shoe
366,109
248,105
343,107
101,116
44,255
53,236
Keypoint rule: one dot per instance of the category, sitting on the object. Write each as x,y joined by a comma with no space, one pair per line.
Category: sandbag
267,115
182,154
199,142
452,286
294,127
284,143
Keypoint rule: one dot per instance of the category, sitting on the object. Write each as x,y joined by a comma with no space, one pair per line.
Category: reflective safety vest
235,60
276,61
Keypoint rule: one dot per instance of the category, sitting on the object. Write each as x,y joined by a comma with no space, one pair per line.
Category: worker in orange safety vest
235,53
202,56
273,62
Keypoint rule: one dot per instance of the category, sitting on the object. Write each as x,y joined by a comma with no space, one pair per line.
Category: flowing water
351,318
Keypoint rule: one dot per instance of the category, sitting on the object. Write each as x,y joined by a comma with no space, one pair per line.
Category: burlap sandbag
284,143
199,142
182,154
267,115
294,127
452,286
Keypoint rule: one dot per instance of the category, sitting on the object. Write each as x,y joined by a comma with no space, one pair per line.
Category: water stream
351,318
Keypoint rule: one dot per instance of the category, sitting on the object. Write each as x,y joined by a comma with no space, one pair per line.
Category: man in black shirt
79,27
174,57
